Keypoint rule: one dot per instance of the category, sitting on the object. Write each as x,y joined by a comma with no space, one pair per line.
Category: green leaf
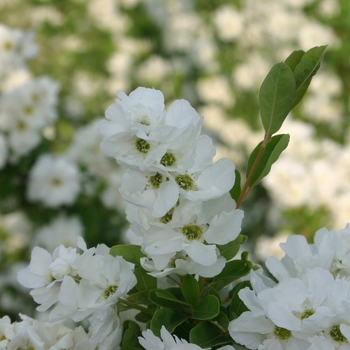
236,189
237,306
190,289
130,337
221,321
306,69
294,58
232,271
130,252
207,309
168,318
276,97
166,299
230,250
143,317
207,335
144,280
140,298
275,146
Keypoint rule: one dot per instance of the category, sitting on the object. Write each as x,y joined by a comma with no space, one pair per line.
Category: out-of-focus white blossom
16,47
54,181
62,230
228,22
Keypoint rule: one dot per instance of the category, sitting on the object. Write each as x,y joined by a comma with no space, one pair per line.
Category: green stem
135,306
246,188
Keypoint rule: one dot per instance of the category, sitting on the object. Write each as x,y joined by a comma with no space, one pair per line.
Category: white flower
139,134
195,228
228,22
46,272
16,46
330,251
105,329
53,181
62,230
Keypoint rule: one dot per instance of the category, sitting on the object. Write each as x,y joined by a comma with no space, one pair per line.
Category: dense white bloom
159,191
32,334
54,181
192,227
287,315
77,285
139,133
32,103
331,251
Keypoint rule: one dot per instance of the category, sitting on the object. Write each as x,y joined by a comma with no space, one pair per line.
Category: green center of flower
156,180
56,182
7,46
110,290
144,121
142,145
35,97
192,232
185,182
167,217
21,126
28,110
307,313
282,333
168,159
337,335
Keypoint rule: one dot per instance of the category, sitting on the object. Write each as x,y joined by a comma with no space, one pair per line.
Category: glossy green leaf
236,189
276,97
276,145
130,252
207,335
232,271
166,299
207,309
294,58
168,318
190,289
130,337
230,250
237,307
144,280
306,69
140,298
143,317
221,321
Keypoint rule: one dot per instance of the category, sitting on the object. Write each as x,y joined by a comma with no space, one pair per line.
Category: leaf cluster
195,309
282,89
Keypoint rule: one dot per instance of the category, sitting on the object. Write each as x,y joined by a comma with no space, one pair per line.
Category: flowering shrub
179,283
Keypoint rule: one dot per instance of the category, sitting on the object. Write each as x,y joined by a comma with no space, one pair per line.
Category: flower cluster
24,113
180,208
32,334
309,306
76,286
16,47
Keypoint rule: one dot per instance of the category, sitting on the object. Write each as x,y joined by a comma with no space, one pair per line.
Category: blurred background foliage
214,54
